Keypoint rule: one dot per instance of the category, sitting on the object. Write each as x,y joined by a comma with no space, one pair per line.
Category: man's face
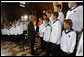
33,19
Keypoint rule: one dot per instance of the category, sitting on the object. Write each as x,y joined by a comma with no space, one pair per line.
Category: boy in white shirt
46,36
6,31
2,32
55,34
14,31
68,39
61,15
44,17
48,13
19,32
11,32
41,30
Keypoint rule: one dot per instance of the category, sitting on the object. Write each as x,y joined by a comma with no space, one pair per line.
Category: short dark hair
49,12
56,14
47,19
44,15
68,21
59,6
41,18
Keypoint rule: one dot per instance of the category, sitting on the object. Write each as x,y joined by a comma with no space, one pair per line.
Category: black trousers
55,50
6,37
32,42
10,38
62,53
25,32
42,45
47,47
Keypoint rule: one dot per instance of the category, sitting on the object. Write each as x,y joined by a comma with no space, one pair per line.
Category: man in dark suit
31,33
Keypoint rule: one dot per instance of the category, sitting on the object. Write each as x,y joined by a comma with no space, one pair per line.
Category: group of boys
15,30
57,35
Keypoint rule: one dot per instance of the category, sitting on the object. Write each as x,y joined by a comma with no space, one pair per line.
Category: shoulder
60,12
81,6
78,8
58,21
68,11
29,23
40,24
73,32
48,26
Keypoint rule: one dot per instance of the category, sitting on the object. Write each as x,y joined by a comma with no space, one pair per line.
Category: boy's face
4,26
48,15
46,21
40,20
44,17
18,22
71,4
53,17
66,25
58,8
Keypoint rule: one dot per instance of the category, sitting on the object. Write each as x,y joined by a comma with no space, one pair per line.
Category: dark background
13,11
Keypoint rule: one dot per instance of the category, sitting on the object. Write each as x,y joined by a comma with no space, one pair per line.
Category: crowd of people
59,36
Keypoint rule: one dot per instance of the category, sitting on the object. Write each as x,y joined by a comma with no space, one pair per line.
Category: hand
69,53
38,33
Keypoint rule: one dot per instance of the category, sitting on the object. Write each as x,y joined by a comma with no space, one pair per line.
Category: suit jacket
31,30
